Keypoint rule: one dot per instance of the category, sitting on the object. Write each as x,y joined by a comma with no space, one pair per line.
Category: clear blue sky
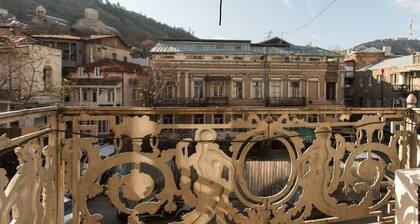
345,24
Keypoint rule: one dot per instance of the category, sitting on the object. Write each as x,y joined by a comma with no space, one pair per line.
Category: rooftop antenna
410,31
269,34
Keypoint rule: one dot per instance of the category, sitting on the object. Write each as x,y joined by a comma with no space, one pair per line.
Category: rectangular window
47,78
312,118
168,91
94,96
168,119
218,89
194,57
82,72
199,89
110,96
331,92
369,102
198,119
218,119
361,80
294,89
103,127
114,56
314,59
370,81
275,89
134,95
396,103
98,72
257,89
379,103
237,89
85,95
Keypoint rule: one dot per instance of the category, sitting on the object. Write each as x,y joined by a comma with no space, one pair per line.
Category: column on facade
115,96
187,85
80,96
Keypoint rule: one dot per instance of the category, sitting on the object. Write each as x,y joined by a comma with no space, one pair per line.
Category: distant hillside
401,46
133,26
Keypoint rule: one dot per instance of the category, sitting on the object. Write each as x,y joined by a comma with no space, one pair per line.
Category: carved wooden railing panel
31,195
342,171
332,177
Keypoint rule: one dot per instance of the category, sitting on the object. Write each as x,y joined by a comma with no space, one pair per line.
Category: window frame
254,87
237,93
98,72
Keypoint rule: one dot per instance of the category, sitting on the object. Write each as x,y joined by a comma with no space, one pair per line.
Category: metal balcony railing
192,102
279,165
287,102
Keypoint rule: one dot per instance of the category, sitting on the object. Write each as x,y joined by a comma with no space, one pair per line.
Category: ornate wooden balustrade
338,164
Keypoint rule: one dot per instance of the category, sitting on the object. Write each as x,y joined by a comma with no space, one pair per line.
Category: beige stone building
30,74
387,83
82,50
108,82
241,73
359,59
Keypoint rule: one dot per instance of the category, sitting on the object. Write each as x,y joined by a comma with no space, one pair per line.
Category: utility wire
312,20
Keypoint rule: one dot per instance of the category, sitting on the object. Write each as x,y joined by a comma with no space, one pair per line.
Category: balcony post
115,97
55,140
75,170
412,129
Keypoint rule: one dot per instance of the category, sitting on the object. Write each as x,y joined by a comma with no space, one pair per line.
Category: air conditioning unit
133,81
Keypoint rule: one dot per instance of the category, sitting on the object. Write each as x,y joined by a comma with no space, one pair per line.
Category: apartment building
108,82
358,59
30,74
82,50
387,83
272,73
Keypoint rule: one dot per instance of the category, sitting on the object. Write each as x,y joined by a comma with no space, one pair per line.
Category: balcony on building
287,102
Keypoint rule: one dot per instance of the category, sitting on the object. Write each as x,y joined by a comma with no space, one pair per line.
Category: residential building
30,74
359,59
387,83
108,82
240,73
81,50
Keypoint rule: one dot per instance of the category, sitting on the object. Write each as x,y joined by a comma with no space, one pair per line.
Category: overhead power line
312,20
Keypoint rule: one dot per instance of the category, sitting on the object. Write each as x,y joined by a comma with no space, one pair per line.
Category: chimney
387,50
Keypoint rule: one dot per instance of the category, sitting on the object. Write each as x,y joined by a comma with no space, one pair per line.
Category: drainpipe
122,89
266,82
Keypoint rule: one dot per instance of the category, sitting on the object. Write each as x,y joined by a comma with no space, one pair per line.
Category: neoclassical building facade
273,73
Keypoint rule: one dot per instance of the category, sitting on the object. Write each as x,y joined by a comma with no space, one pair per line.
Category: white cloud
412,5
287,3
